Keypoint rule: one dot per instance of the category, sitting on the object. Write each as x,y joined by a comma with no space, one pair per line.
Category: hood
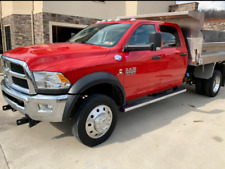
42,57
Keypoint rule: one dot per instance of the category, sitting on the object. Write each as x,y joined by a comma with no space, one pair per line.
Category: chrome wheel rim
98,121
216,84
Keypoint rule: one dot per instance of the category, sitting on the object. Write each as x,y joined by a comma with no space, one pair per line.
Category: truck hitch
8,107
27,119
21,121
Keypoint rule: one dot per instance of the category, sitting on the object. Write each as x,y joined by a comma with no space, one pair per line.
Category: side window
170,36
141,35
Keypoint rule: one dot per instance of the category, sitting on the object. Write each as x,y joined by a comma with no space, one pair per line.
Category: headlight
51,80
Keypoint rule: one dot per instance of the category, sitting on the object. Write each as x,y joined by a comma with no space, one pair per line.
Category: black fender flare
89,81
94,79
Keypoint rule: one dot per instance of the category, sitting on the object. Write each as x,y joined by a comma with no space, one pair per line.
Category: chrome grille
20,82
17,68
17,75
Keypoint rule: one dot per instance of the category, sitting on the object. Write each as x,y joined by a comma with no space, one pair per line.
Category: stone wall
8,21
192,6
38,29
41,22
20,29
214,24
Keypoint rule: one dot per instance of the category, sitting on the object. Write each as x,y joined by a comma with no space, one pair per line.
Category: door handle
156,57
183,54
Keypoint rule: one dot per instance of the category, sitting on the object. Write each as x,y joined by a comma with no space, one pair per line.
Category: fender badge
120,72
130,71
118,57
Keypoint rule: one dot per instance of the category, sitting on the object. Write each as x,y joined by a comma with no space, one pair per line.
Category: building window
8,38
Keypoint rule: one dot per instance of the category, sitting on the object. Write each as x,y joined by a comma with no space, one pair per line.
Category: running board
153,99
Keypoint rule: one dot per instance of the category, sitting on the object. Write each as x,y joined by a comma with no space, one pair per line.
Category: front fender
97,78
89,81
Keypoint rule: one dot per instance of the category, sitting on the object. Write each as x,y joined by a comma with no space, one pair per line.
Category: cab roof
133,21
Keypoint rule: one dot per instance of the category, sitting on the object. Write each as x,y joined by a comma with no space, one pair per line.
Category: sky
218,5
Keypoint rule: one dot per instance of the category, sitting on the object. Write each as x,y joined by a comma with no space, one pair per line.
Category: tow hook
23,120
8,107
27,119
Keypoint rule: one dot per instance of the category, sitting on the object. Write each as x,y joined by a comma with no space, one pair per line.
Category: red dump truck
109,67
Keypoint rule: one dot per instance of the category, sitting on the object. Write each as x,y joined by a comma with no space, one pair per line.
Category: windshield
108,34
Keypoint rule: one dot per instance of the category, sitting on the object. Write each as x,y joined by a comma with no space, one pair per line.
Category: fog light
45,108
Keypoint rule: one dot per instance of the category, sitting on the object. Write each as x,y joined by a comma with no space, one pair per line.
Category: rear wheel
95,120
213,84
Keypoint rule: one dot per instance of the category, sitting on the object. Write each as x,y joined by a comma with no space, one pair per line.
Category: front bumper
35,106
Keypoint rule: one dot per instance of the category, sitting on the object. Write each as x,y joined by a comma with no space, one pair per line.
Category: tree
214,14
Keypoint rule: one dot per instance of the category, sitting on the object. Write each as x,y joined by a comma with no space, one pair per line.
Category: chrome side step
153,99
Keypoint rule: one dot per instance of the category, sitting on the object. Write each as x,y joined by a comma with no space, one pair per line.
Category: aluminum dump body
191,24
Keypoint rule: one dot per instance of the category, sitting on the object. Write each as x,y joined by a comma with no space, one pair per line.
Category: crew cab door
142,68
174,60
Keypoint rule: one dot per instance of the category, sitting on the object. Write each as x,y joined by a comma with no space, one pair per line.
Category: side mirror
155,39
155,42
129,48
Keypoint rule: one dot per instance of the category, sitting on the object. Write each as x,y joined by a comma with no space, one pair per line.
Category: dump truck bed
212,52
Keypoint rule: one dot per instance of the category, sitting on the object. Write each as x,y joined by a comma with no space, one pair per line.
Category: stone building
214,30
35,22
191,6
215,24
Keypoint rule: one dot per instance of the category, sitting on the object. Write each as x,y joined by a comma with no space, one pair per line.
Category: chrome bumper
34,106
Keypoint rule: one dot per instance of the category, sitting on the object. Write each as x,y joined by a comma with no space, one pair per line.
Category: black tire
83,114
210,89
200,86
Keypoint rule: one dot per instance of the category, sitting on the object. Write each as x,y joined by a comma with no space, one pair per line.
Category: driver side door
142,68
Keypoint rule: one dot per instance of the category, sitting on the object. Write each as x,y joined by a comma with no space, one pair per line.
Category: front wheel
213,84
95,120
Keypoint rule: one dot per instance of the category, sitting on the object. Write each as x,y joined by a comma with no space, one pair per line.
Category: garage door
62,34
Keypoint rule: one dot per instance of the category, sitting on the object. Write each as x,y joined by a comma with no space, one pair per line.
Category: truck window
170,36
107,34
141,35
